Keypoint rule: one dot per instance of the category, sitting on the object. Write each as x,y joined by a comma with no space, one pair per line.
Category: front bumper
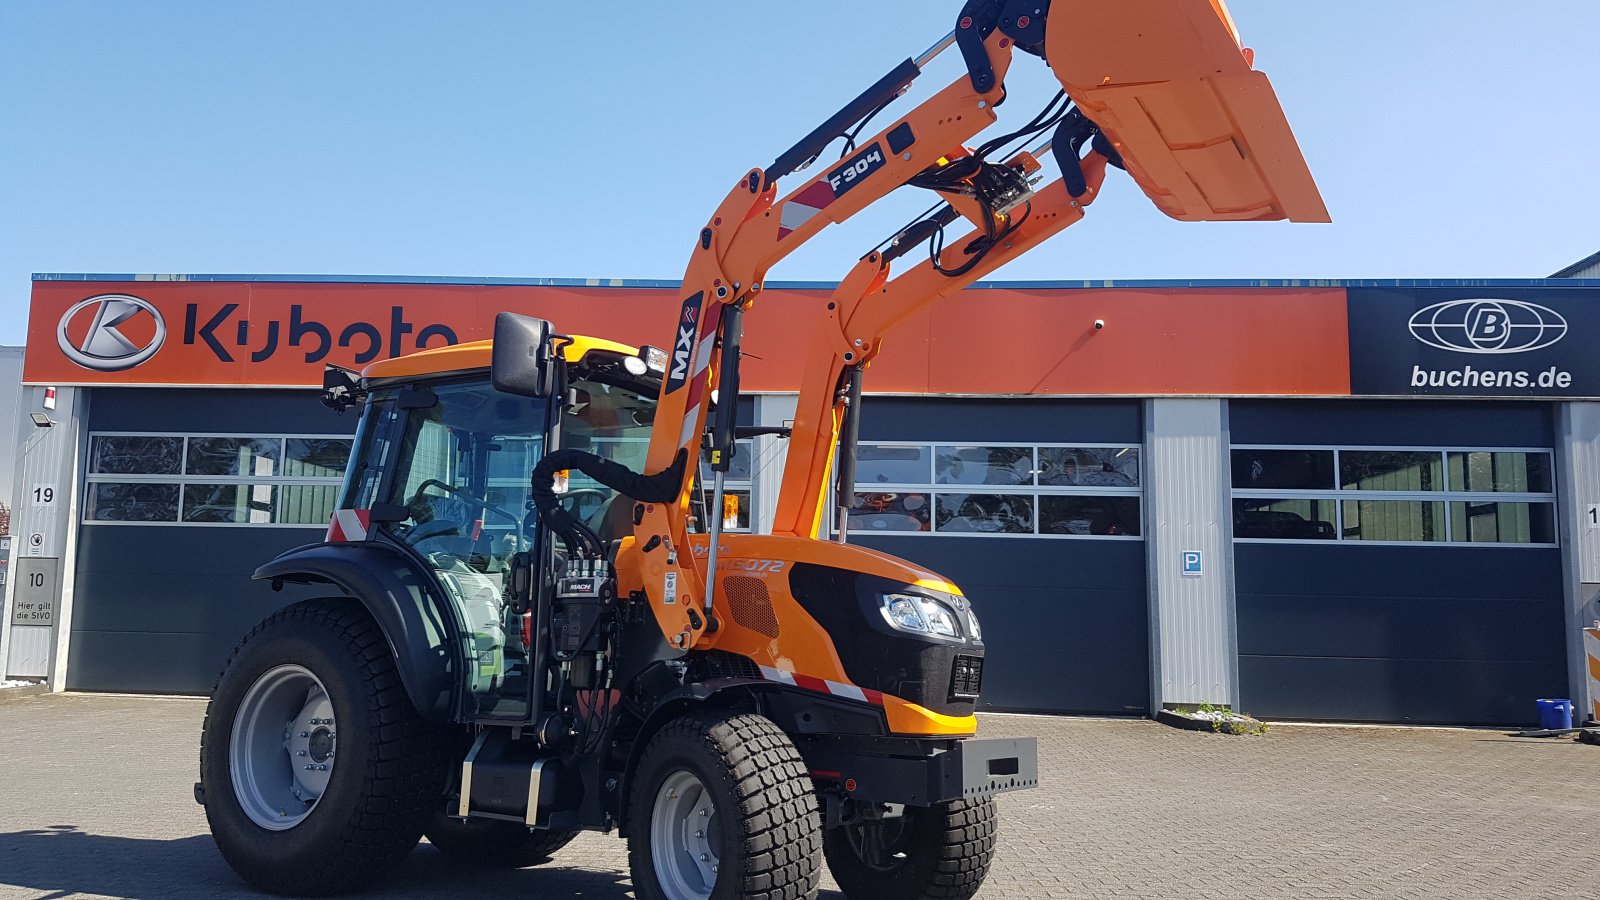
925,773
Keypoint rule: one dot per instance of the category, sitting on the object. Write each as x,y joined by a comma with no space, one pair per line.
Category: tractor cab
440,473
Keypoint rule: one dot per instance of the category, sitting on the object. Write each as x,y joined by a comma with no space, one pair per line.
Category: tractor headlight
921,615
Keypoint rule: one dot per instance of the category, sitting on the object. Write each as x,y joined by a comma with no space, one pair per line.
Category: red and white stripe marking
822,686
1591,646
709,321
806,204
349,525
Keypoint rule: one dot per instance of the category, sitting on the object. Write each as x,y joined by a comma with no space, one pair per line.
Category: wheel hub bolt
700,834
300,753
705,812
705,857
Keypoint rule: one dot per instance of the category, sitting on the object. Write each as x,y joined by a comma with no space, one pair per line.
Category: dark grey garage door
186,493
1396,561
1032,507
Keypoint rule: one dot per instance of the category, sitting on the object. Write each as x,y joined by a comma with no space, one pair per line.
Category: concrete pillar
1578,511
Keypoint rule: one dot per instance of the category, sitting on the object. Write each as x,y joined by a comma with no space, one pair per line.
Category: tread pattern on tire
949,860
404,771
781,830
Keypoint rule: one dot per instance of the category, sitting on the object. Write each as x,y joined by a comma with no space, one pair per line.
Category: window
738,491
997,489
207,479
1410,495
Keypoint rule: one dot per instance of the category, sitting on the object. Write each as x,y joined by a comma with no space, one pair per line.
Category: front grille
966,679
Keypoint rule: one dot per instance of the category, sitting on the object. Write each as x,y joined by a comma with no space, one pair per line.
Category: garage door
186,493
1396,562
1033,508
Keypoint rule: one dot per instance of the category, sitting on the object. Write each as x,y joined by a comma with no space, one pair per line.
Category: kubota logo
1488,326
122,332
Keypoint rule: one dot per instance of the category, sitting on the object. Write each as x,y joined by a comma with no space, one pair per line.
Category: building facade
1357,501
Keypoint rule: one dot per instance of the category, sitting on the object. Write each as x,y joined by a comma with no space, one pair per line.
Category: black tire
389,769
486,843
767,837
930,853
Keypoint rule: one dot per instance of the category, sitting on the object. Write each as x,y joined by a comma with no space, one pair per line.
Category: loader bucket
1169,83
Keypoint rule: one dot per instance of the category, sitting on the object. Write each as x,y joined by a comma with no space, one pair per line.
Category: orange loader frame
1160,88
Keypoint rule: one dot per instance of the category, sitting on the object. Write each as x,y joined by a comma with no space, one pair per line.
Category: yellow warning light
730,510
559,482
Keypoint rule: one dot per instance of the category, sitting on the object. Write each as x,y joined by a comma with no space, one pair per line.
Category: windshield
612,421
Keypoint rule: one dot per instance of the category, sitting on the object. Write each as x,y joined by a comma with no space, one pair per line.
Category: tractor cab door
445,472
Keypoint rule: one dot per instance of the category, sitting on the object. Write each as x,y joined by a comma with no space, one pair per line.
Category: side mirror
522,362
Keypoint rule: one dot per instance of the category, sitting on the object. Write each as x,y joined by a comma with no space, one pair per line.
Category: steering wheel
459,495
585,502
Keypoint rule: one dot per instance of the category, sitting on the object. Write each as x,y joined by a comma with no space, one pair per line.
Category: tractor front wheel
722,806
929,853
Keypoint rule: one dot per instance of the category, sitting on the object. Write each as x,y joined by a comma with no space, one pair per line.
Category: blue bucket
1555,714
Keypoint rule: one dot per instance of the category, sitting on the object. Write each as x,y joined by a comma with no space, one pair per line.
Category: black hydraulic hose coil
662,487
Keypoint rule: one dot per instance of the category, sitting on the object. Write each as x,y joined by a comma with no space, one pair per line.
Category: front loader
534,620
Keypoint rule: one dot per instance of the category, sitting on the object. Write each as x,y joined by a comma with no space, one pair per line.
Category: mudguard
420,635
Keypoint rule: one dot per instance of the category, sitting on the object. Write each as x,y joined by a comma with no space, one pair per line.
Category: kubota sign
1218,341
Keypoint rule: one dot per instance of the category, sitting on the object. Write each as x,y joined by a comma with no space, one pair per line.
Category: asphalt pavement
96,801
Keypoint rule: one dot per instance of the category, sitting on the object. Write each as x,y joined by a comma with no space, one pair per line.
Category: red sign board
1272,341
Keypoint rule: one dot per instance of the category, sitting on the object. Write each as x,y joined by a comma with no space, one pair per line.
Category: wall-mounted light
41,420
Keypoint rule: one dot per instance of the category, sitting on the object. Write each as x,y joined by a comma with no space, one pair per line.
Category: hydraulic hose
662,487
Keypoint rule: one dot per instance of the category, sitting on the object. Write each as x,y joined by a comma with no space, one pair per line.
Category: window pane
1503,523
1309,520
127,454
109,502
890,512
1487,470
1391,470
983,465
739,468
1393,520
989,513
877,464
735,510
1089,466
233,456
216,503
307,504
316,457
1088,515
1283,469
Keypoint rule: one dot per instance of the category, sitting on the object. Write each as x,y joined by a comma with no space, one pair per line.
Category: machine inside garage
1295,500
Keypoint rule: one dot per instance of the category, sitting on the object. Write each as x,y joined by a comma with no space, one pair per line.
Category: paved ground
95,801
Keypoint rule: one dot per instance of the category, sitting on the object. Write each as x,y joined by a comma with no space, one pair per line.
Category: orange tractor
502,661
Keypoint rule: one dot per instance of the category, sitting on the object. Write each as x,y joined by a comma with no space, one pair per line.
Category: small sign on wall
44,495
1193,563
35,600
1592,517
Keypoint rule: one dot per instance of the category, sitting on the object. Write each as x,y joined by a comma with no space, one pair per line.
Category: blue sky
1450,139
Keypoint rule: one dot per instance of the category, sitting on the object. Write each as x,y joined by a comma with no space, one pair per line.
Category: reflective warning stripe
1591,646
349,525
822,686
803,207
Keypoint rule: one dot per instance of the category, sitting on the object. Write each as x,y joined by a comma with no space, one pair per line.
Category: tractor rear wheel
930,853
722,806
317,774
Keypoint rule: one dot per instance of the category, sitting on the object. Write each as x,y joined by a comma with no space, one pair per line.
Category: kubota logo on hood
1488,326
111,332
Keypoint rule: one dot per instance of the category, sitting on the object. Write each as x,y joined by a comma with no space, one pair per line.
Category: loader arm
1160,87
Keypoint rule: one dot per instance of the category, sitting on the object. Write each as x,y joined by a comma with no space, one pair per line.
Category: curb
29,690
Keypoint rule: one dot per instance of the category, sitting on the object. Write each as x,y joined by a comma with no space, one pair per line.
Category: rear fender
421,636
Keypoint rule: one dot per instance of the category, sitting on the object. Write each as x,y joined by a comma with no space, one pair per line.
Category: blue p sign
1191,562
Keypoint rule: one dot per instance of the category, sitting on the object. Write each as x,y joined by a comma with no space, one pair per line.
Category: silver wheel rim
281,752
683,838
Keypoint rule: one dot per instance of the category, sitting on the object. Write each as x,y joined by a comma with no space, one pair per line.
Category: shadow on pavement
62,861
